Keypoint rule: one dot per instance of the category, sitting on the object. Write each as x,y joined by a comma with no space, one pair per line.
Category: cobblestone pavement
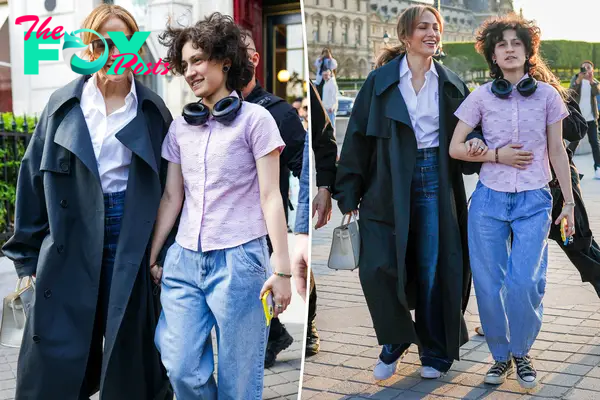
281,381
566,353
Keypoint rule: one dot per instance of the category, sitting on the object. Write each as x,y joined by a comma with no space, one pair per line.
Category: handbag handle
30,282
350,217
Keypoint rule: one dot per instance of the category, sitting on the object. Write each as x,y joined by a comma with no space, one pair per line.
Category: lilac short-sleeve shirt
518,119
222,198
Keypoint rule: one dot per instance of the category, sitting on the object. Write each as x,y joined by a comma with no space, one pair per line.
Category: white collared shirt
585,101
330,94
112,157
423,108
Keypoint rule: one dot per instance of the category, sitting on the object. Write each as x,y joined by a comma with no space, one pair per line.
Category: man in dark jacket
325,149
585,89
293,134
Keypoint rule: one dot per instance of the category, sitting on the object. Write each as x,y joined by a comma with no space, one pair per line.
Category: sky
564,19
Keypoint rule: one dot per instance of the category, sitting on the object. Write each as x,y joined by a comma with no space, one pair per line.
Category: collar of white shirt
91,97
404,69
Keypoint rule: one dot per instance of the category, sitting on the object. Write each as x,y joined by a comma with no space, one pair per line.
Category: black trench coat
375,170
59,233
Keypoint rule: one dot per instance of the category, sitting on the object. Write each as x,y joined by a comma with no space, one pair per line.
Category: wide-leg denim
508,247
423,250
218,288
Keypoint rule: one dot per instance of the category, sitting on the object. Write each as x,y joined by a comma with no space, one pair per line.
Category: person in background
304,113
585,89
324,62
330,96
301,242
88,192
293,135
297,104
325,149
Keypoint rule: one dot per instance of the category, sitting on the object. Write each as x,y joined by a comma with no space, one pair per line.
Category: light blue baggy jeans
508,248
202,290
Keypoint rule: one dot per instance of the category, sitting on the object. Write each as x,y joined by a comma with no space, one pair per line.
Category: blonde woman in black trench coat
413,207
87,197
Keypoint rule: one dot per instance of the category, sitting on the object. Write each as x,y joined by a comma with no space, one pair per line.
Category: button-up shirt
112,157
518,119
222,207
423,107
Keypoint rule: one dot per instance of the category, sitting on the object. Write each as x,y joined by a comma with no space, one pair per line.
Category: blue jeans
423,249
508,247
219,288
331,116
114,206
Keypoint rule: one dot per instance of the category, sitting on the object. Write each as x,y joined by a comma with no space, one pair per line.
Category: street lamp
386,38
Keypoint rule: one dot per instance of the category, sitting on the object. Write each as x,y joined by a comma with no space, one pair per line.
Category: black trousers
312,301
592,134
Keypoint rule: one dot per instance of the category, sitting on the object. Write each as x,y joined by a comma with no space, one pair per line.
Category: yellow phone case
267,307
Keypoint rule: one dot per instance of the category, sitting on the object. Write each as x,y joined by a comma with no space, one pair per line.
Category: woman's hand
352,213
156,272
282,292
568,212
476,147
511,155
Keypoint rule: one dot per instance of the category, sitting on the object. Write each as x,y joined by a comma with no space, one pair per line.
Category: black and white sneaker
498,373
526,373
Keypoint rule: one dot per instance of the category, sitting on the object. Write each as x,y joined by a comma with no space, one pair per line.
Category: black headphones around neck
503,88
224,111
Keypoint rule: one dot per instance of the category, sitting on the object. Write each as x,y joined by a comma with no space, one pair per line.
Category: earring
494,61
226,68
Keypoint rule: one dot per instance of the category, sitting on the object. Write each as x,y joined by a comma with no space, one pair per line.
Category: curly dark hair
220,38
491,32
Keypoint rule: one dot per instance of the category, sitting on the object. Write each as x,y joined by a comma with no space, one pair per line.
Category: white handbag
14,313
345,246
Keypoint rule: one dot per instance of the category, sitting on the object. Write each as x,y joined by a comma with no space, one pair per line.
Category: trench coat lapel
136,137
395,106
73,135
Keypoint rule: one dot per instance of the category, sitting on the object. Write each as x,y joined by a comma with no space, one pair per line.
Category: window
358,34
358,5
345,33
345,4
317,31
331,3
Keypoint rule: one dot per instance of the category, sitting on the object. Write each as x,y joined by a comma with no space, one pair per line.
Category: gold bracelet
282,274
569,203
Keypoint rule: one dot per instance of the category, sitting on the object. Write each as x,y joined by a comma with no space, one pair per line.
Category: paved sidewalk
281,381
567,352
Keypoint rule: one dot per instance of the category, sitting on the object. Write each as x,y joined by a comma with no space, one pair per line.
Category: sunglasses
305,108
98,45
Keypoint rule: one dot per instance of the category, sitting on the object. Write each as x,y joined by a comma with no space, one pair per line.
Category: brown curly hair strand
220,38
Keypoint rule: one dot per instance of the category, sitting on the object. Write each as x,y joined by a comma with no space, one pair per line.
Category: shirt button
64,166
60,248
64,203
47,293
36,338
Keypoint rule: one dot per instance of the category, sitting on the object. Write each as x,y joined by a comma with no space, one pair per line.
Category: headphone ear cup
195,113
501,88
227,109
527,87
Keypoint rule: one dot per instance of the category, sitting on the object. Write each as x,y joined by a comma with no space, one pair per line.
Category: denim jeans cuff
389,356
439,364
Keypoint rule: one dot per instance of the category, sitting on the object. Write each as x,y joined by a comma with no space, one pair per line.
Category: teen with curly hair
223,158
521,115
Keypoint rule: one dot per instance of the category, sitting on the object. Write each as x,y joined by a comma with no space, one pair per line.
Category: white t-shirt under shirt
585,102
